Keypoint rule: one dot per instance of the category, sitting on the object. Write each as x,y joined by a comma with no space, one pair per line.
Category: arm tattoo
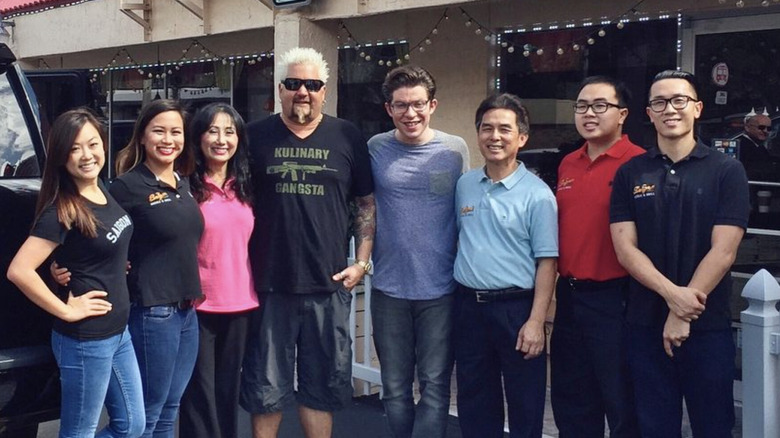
365,219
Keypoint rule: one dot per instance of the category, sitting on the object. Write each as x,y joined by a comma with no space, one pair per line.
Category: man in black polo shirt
677,216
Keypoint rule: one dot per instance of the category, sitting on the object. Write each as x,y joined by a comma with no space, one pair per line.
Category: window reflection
17,154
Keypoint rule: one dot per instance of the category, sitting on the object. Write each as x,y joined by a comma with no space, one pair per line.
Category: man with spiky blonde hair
306,168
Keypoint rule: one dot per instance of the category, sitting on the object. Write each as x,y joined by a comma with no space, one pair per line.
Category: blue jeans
94,372
166,344
488,367
409,333
701,372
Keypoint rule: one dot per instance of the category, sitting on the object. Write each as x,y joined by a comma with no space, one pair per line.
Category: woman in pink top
209,408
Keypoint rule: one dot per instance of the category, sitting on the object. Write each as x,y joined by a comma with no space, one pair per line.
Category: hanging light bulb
740,4
540,52
526,53
575,47
478,31
620,25
510,49
591,41
559,51
602,32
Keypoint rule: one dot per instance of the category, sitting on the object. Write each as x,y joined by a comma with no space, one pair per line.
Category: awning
15,6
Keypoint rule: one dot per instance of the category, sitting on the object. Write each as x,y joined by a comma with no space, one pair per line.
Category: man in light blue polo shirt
505,267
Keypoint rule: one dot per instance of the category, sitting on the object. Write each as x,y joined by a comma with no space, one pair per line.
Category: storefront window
253,90
360,85
739,74
548,83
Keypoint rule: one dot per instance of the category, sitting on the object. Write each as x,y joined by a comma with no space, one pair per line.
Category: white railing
363,366
761,357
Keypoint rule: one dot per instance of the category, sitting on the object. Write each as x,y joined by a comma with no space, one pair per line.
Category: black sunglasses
294,84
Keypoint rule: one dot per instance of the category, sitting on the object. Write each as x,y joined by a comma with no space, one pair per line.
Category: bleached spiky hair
308,56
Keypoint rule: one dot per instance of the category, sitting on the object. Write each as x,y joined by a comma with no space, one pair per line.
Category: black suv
29,379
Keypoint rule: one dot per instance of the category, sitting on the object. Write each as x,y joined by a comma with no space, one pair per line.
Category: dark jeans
588,364
702,372
409,333
209,407
165,339
485,335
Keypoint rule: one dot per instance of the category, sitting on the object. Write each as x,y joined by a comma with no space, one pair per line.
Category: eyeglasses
294,84
598,107
403,107
766,128
677,102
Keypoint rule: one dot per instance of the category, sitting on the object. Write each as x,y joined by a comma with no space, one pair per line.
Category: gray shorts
312,328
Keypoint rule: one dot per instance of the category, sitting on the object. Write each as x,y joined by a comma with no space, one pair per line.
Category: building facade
205,50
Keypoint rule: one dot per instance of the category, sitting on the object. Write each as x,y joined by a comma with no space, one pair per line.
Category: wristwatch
364,264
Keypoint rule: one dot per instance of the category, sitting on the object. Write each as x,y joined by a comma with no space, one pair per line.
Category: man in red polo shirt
588,368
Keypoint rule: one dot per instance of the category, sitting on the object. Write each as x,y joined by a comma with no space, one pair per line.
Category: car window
17,153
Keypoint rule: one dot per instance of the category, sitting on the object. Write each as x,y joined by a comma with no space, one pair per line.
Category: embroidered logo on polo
467,210
158,198
644,191
116,229
294,173
565,183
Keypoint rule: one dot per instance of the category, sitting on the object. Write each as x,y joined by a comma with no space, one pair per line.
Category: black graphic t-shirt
98,263
164,249
302,193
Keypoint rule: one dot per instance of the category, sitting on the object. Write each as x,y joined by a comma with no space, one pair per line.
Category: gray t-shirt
416,235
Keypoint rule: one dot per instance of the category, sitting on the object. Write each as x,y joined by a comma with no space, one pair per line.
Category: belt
183,304
591,284
490,295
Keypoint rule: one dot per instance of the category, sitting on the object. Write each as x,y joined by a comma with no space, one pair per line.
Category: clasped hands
685,305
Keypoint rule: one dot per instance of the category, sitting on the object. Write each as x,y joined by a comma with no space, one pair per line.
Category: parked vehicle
29,378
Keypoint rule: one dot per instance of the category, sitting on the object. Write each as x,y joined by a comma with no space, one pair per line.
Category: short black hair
622,92
408,76
678,74
505,101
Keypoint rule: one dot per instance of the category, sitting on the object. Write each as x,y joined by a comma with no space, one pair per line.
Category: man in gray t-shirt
415,170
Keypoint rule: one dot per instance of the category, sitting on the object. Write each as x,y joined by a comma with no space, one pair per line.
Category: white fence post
760,350
362,368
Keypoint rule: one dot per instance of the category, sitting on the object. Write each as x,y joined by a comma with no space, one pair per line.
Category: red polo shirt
583,192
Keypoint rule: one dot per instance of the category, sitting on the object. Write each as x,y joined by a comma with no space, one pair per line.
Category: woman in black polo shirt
87,230
163,280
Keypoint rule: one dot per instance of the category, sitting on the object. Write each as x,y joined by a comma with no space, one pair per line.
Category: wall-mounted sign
290,3
727,146
720,74
721,97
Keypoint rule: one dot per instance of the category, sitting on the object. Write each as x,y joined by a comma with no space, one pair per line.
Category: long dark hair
57,186
134,152
238,165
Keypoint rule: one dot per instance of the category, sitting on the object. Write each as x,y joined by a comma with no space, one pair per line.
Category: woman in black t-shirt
87,231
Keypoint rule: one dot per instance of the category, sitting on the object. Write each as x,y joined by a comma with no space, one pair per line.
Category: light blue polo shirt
503,228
